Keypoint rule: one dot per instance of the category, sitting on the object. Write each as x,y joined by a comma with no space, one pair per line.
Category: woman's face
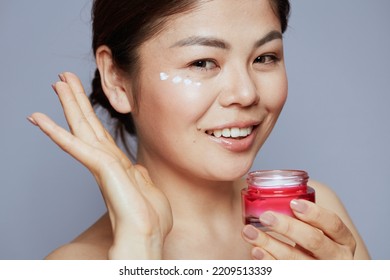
212,85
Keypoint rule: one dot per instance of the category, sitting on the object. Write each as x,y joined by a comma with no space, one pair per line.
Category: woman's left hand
317,233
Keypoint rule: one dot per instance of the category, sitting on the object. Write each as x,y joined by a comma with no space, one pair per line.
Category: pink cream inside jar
273,190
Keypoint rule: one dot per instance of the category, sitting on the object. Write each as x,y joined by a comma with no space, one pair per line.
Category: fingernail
54,88
62,77
298,206
31,120
257,254
268,219
250,232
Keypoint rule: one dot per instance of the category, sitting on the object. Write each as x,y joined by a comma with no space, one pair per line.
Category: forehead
222,18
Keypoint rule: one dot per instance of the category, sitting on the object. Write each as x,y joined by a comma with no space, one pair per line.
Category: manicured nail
298,206
250,232
31,120
257,254
268,219
62,77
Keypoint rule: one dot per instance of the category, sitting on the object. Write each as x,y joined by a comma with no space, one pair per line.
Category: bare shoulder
328,199
93,244
325,196
78,251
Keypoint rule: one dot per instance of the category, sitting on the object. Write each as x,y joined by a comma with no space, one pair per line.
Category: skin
184,193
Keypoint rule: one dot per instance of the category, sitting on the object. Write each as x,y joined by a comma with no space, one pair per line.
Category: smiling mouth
235,132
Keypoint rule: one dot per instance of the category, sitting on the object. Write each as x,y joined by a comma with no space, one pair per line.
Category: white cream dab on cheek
178,79
187,82
164,76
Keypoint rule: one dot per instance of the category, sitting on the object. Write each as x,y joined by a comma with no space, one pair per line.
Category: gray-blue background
335,123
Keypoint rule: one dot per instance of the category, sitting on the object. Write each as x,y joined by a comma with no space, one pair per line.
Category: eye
266,59
204,64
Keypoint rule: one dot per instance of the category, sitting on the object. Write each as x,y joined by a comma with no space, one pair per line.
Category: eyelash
201,64
267,59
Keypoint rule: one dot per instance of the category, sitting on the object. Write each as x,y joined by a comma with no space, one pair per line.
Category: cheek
273,92
180,96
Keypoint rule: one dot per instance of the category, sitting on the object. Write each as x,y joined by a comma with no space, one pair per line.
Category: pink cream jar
273,190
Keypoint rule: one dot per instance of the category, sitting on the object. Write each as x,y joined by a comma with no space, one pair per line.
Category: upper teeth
234,132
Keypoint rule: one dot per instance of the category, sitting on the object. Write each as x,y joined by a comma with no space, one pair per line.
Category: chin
232,172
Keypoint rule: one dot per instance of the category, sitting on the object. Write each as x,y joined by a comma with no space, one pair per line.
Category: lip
236,145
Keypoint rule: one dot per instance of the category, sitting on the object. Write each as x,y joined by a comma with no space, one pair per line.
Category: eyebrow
221,44
202,41
273,35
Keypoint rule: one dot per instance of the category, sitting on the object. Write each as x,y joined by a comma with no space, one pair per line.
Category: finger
145,174
65,140
307,236
86,108
75,118
261,254
108,169
127,207
327,221
275,248
144,183
85,105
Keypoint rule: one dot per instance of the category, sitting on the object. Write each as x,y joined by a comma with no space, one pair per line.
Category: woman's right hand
140,213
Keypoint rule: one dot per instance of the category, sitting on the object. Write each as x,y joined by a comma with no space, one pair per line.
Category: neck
193,198
206,213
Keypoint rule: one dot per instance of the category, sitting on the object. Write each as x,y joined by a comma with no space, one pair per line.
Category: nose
239,90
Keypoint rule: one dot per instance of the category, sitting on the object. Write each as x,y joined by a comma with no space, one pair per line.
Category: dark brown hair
123,25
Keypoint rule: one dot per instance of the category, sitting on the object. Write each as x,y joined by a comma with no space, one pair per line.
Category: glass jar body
273,190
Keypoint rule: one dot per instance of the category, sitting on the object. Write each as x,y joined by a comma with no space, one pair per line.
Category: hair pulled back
123,25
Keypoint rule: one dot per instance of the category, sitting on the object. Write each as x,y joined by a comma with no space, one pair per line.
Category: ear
113,83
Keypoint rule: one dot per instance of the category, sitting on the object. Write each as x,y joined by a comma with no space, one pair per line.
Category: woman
202,84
